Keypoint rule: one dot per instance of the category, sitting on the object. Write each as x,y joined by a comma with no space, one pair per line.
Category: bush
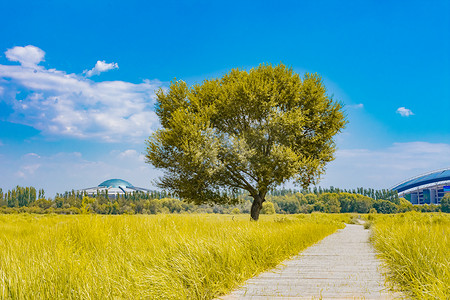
236,211
268,208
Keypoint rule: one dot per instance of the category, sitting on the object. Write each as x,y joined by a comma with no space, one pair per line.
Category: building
427,188
114,188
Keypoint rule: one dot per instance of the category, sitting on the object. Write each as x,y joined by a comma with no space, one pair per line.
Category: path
341,266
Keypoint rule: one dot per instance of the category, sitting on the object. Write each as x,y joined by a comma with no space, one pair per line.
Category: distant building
114,188
427,188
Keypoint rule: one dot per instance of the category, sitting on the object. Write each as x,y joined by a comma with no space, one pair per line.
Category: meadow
415,249
146,257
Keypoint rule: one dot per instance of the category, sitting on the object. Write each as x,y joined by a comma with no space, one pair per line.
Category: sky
78,81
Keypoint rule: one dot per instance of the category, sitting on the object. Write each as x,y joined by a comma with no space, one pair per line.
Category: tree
385,207
287,204
445,203
246,131
331,202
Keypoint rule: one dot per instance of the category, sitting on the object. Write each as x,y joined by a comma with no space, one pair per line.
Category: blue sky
77,80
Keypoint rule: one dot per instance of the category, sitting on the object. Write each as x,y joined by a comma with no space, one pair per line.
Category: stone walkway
341,266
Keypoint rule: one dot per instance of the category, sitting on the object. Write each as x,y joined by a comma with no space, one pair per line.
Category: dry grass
146,257
415,248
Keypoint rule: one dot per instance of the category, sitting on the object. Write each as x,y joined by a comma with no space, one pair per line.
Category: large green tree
246,131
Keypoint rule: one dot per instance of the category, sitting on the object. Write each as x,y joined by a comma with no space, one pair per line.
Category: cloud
128,153
100,66
61,104
404,112
28,56
384,168
31,154
27,170
359,105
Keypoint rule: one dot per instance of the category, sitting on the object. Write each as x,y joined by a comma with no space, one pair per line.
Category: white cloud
404,112
61,104
28,56
101,66
359,105
386,167
31,154
128,153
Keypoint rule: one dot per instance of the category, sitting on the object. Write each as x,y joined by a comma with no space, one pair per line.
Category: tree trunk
256,207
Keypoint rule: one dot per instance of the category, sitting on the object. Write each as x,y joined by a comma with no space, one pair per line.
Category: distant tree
86,205
445,203
331,202
287,204
385,207
247,131
363,204
311,198
235,211
348,202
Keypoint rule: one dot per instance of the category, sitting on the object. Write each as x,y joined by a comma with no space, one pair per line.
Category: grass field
415,248
146,257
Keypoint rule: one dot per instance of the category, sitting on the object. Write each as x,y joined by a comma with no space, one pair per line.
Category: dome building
114,188
427,188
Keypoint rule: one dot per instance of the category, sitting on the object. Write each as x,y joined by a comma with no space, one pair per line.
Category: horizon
78,82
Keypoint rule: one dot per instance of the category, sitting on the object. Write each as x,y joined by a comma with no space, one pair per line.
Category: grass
415,247
146,257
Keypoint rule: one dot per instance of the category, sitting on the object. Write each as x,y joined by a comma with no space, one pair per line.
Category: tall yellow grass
145,257
416,250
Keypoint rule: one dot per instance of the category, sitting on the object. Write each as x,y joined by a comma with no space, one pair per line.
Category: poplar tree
248,130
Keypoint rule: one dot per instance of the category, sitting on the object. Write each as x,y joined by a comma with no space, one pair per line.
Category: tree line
368,192
327,200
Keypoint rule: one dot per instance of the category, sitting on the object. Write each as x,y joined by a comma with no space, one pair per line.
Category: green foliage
330,202
235,211
445,203
245,131
43,203
156,202
268,208
86,205
145,257
415,249
404,205
385,207
311,198
18,197
288,204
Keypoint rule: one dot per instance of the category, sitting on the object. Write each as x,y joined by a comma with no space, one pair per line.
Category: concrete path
341,266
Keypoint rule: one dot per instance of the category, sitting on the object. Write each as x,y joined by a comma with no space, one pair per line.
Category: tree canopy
248,130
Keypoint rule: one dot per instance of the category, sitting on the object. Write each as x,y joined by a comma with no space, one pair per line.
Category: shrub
268,208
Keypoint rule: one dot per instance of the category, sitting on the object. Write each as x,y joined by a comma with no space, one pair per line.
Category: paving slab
341,266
